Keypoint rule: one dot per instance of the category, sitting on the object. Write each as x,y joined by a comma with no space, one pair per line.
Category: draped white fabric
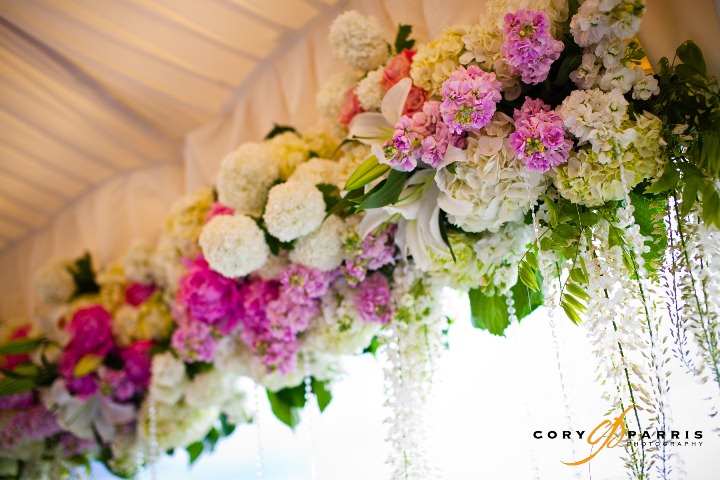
96,97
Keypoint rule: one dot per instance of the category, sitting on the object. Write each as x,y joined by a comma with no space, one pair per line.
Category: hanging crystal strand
140,460
310,414
259,453
152,426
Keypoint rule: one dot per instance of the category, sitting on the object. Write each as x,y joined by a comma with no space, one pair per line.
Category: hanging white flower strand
259,452
412,344
310,415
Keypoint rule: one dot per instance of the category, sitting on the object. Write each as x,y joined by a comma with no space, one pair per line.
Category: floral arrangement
529,159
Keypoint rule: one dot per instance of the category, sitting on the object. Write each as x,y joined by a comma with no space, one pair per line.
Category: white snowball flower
331,95
288,150
245,177
492,186
317,170
322,249
209,389
137,263
168,378
125,324
54,283
234,245
124,450
177,425
320,141
370,92
358,41
294,209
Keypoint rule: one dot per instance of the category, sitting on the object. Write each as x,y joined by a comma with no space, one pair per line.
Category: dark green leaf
278,129
570,64
402,39
668,181
195,450
11,386
552,210
24,345
84,276
331,195
212,438
442,219
692,56
284,412
374,345
322,393
689,195
389,193
589,219
649,216
227,428
488,312
368,171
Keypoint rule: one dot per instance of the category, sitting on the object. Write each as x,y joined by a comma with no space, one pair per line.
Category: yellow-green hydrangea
466,271
289,150
435,61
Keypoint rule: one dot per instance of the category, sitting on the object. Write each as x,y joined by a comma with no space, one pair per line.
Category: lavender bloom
195,342
529,49
374,298
469,97
372,253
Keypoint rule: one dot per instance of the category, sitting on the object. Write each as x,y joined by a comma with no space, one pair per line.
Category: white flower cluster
287,150
219,389
54,284
613,154
358,41
294,209
330,98
317,170
150,321
434,62
603,28
245,177
339,330
492,187
234,245
137,263
323,248
370,91
320,142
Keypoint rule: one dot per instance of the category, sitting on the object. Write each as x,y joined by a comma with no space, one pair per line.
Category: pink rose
415,101
397,68
218,209
349,108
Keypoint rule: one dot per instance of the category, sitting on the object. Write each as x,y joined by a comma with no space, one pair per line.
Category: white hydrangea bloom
234,245
137,263
339,330
209,389
320,141
294,209
370,92
322,249
645,88
500,253
168,378
245,177
317,170
465,273
177,425
492,187
358,41
330,97
167,265
594,117
288,150
54,283
434,62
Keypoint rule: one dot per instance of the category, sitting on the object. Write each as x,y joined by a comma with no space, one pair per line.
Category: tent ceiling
90,89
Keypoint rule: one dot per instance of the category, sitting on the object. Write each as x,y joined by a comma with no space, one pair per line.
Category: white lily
417,214
84,416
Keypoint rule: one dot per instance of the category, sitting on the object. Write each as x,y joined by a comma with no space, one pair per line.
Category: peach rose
415,101
349,108
397,68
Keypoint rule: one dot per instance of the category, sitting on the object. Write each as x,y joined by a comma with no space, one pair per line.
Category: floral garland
526,159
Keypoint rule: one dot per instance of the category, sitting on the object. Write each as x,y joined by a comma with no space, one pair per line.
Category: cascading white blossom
412,344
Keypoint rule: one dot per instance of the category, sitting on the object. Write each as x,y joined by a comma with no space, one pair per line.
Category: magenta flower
374,300
210,298
115,384
218,209
195,342
529,49
90,331
539,137
469,97
137,293
137,363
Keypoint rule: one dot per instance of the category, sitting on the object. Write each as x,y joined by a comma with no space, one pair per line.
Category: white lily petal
377,150
394,100
452,155
370,128
372,220
416,246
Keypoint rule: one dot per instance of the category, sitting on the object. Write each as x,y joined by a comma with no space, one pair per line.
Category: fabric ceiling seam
72,203
52,167
101,92
199,31
282,29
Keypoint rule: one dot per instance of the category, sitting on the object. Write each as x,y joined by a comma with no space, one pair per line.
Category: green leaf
278,129
692,56
576,303
532,260
527,276
368,171
442,220
578,275
668,181
689,195
212,438
87,365
285,413
577,291
373,347
488,312
331,195
24,345
526,300
389,193
11,386
322,393
227,428
570,64
195,450
571,313
589,219
711,204
84,276
649,216
402,39
552,210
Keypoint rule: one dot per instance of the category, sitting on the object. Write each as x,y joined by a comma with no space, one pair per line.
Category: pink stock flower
529,49
469,97
195,342
374,252
35,423
17,401
137,293
397,68
349,108
539,137
374,300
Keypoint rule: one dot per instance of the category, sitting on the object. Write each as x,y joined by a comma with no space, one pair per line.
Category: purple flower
302,284
17,401
35,423
115,384
137,363
529,49
374,252
209,297
137,293
73,446
469,97
374,300
84,386
539,136
195,342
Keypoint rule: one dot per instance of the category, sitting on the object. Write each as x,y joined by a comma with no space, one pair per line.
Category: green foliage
24,345
331,195
278,129
649,216
402,39
368,171
274,244
287,403
83,276
11,386
385,193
